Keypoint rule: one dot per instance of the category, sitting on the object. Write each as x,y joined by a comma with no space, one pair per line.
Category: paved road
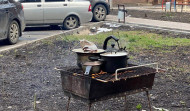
32,34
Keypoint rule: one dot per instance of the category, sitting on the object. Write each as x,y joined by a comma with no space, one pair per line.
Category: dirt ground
28,73
155,15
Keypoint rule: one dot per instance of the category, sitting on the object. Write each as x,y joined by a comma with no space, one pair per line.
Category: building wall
115,2
128,1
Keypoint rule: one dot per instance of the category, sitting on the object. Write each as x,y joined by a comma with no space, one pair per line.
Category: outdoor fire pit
103,85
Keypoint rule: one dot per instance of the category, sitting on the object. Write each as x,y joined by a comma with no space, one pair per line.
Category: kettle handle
107,39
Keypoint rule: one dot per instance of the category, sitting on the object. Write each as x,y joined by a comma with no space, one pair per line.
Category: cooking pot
83,56
92,67
113,61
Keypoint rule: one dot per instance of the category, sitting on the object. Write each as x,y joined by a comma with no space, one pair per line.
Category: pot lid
94,63
113,54
80,50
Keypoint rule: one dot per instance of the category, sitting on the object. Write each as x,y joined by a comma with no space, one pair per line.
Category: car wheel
13,33
99,13
71,22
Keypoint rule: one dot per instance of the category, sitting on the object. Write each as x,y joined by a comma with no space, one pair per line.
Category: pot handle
96,58
93,58
101,60
87,71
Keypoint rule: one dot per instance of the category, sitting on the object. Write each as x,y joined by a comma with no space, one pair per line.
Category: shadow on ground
43,28
3,43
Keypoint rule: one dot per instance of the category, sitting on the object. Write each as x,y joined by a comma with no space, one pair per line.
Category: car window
28,1
54,0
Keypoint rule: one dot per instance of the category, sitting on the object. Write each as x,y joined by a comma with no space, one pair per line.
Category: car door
55,11
1,18
4,17
33,11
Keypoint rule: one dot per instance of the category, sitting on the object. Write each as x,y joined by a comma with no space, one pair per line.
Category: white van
69,13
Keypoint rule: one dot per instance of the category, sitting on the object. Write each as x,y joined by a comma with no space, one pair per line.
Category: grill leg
89,106
148,96
126,103
69,99
125,99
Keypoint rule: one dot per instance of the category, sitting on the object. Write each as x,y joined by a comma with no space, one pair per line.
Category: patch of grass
34,105
47,42
15,51
30,52
169,14
183,103
139,107
131,57
135,40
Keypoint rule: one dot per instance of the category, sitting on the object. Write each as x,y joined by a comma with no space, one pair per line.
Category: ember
97,75
105,76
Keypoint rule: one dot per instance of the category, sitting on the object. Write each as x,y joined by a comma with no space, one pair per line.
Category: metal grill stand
92,90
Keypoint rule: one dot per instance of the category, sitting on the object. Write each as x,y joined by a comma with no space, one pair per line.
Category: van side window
27,1
54,0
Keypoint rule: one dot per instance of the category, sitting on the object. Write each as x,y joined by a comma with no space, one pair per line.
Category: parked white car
69,13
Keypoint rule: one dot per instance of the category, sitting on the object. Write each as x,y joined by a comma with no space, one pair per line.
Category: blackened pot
114,61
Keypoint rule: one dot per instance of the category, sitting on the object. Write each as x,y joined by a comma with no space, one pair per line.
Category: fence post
111,3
